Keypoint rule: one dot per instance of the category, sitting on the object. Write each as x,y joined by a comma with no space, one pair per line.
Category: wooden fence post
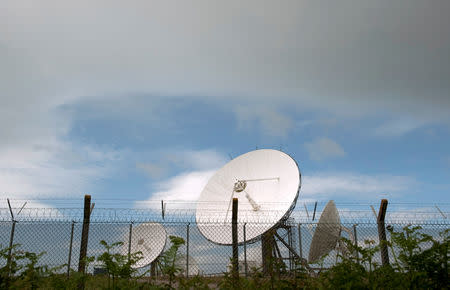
84,234
382,233
234,233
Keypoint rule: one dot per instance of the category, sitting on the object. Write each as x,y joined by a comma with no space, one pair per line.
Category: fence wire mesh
56,232
288,244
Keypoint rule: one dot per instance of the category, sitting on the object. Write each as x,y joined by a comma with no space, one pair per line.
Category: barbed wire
186,212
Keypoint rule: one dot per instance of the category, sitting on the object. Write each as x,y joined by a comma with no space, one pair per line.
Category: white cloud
353,185
198,167
52,170
37,159
196,159
183,187
183,159
324,148
399,127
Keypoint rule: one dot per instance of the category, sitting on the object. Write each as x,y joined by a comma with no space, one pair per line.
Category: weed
116,264
419,261
168,259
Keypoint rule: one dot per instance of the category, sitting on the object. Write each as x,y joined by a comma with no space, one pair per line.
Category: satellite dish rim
276,224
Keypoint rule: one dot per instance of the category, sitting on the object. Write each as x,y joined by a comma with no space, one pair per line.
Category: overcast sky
147,99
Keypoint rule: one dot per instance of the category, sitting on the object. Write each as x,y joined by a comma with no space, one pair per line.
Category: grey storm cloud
346,57
350,58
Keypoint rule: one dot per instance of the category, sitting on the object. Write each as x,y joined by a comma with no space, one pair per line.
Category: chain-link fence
288,243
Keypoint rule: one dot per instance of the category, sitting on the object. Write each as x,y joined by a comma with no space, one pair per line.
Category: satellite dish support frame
271,251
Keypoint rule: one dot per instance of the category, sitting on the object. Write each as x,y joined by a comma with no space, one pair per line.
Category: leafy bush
23,268
116,264
421,265
418,261
414,265
168,258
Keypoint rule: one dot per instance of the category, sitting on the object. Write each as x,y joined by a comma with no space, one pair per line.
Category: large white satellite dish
327,234
150,239
266,183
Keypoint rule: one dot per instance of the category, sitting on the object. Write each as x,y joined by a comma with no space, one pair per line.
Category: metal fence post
300,240
187,250
289,233
245,250
129,241
11,240
70,249
356,242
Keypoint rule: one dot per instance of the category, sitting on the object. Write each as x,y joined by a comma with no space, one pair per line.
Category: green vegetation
117,265
418,261
167,260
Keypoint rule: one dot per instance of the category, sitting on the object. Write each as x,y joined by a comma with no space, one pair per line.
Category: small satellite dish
150,239
180,263
328,233
254,259
266,182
